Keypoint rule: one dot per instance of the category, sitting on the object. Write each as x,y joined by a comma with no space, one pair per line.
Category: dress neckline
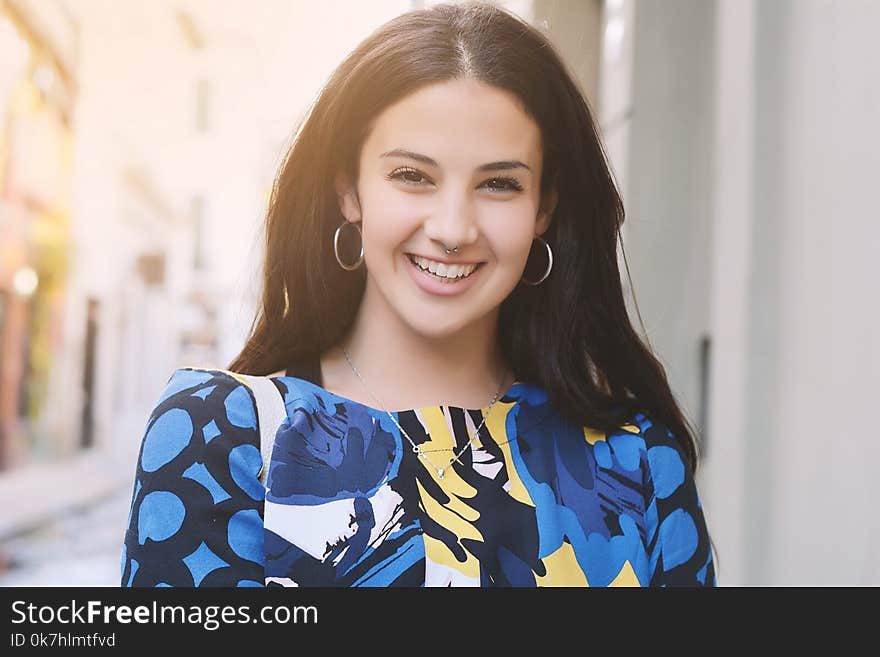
346,400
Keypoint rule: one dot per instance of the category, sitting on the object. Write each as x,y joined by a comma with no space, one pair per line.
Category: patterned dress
535,501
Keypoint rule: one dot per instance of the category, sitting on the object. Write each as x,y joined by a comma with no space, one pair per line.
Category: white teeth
442,269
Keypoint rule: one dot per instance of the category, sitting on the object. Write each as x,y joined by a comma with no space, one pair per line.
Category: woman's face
456,163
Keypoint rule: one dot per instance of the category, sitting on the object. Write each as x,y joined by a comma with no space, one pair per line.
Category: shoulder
196,390
639,449
666,467
638,443
202,417
677,537
646,463
303,395
196,510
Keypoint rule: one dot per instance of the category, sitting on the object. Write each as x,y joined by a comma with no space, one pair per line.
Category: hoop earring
336,246
549,263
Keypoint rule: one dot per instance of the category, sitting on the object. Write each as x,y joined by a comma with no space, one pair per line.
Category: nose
454,223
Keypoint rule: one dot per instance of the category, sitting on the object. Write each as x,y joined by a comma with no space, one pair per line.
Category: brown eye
408,176
504,184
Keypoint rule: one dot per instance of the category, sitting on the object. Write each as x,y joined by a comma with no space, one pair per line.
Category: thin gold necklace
417,449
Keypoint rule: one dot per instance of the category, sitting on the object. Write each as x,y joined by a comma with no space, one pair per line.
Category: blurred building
37,97
137,150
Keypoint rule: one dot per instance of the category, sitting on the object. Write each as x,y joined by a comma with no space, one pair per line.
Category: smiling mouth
443,272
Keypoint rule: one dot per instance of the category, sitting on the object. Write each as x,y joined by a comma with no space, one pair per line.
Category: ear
545,213
346,193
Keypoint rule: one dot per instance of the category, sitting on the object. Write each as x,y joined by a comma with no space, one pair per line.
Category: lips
445,261
442,270
438,285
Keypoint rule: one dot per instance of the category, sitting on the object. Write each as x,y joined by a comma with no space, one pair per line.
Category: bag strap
270,414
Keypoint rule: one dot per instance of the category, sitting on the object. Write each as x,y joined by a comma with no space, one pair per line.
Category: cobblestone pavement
82,548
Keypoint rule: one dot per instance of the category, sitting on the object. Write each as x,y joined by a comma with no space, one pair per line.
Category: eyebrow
490,166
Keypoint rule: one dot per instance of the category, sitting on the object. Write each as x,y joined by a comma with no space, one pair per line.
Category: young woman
466,401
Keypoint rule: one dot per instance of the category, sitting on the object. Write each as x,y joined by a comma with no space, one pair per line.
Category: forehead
458,121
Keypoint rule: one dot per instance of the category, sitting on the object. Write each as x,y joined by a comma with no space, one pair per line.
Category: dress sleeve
196,514
679,550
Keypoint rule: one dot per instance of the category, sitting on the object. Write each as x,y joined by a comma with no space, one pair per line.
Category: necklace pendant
440,473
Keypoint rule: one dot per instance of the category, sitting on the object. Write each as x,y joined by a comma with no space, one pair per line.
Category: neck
405,369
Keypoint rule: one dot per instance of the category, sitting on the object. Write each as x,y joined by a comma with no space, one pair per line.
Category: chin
437,326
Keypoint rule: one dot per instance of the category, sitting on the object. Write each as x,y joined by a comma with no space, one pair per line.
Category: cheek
388,220
511,238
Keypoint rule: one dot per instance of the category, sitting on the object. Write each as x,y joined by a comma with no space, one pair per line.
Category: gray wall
573,27
816,306
754,216
668,229
763,369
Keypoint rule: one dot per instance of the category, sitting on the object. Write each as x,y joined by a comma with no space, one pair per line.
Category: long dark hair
572,334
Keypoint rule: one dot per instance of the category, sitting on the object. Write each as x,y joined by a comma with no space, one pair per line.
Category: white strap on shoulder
270,414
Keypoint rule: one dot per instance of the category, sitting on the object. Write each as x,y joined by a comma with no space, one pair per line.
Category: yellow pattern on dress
456,515
562,569
626,576
497,425
592,436
561,565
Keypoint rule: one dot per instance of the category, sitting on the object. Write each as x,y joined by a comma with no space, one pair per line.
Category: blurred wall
182,119
668,197
813,450
574,29
754,216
